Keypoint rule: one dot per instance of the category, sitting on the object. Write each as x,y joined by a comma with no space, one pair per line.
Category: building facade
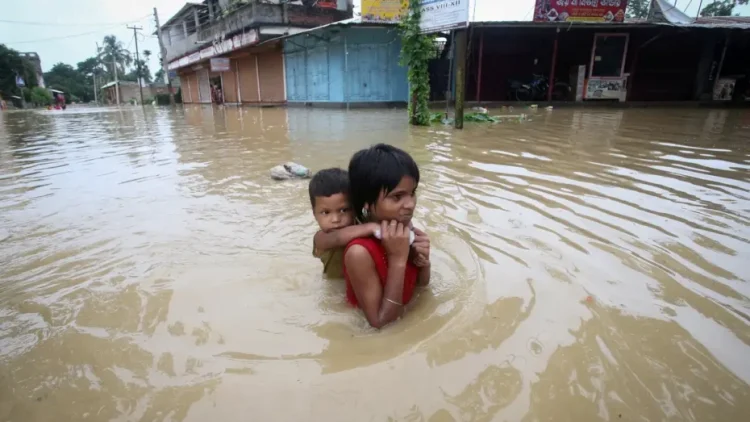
37,62
129,92
240,34
345,63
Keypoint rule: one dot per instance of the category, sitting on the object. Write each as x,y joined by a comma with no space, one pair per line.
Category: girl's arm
423,277
324,241
371,296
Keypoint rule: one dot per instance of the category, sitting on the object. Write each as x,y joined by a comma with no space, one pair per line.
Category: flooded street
587,265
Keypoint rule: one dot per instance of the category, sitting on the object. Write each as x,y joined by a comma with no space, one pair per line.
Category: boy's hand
372,228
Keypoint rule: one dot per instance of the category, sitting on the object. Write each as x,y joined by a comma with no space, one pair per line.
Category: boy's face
333,212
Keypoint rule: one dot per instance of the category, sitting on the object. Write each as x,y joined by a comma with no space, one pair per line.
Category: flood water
587,265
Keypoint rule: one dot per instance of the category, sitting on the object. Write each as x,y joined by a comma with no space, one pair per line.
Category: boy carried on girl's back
329,197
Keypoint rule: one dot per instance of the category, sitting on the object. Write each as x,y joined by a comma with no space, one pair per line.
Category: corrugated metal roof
664,13
531,24
342,23
661,13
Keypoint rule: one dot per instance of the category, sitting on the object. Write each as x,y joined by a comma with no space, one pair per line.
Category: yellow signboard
383,10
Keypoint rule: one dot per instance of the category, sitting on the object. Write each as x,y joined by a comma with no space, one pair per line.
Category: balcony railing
240,15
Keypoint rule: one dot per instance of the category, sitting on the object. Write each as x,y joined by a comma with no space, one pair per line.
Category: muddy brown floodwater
588,265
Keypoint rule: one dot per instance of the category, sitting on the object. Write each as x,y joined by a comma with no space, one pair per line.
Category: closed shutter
229,83
271,72
248,79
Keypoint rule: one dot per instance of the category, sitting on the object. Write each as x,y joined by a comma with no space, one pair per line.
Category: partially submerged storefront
668,57
345,63
236,71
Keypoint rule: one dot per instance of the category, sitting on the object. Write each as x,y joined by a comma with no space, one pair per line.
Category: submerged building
227,47
345,63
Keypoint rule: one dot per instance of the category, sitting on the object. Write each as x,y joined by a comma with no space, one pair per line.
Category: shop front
581,54
606,78
250,76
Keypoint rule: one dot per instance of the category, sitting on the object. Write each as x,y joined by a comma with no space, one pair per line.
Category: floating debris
548,108
290,170
534,106
481,117
480,110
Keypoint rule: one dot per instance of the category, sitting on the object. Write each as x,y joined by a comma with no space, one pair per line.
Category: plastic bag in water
290,170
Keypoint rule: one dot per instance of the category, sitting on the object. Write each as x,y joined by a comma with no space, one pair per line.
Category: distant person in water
329,197
59,101
382,274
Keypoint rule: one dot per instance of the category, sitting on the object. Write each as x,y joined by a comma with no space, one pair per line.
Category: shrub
162,99
40,96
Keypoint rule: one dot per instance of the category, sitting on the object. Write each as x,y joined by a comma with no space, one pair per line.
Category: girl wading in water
381,275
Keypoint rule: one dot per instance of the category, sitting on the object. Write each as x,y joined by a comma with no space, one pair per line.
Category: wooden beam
554,66
479,67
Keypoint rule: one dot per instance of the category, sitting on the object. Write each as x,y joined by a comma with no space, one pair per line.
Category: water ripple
589,262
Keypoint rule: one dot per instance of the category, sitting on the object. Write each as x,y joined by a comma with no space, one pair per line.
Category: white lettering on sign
441,15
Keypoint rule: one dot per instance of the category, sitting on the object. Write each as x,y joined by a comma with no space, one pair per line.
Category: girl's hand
395,241
421,262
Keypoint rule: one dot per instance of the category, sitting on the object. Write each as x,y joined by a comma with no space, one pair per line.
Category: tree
114,52
69,80
40,96
416,50
91,66
721,7
159,76
145,71
145,74
638,9
12,64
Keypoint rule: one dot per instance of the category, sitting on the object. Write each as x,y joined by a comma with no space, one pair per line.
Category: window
608,56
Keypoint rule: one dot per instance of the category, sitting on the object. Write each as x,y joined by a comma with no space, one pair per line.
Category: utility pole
117,83
163,52
93,72
138,59
114,70
460,77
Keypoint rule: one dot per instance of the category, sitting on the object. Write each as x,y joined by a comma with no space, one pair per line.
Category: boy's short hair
379,168
328,182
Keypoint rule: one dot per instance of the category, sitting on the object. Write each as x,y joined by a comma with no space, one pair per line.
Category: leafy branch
416,51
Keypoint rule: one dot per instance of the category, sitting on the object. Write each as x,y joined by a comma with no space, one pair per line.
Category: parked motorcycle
536,90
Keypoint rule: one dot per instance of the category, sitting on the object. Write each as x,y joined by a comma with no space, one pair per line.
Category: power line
71,24
70,36
58,38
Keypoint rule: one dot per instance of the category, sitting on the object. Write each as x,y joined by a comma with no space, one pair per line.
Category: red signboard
327,4
580,10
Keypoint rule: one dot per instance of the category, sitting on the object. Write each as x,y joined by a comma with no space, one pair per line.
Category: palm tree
113,51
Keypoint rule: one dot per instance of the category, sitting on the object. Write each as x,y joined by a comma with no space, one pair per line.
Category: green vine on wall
416,51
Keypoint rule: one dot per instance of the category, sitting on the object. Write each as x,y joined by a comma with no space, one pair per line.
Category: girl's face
398,204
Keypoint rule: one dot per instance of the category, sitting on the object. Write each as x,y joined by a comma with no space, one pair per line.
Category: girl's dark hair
379,168
328,182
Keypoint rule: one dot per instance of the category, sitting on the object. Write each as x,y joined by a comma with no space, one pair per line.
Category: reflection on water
588,265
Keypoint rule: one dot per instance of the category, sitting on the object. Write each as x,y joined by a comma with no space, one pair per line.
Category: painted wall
317,69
